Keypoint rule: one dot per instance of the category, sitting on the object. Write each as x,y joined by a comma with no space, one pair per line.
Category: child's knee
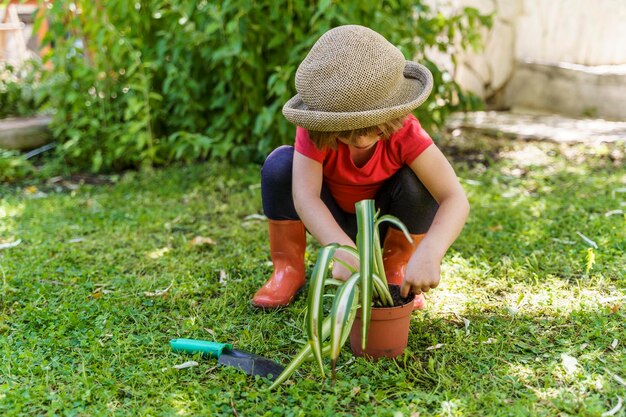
278,164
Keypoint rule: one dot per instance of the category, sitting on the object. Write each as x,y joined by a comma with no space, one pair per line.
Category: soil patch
398,300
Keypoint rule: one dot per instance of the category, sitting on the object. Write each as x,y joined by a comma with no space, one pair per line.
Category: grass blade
316,301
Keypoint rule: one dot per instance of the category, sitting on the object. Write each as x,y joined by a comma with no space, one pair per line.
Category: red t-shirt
348,183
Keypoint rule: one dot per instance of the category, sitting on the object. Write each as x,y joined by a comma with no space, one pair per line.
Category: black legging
403,195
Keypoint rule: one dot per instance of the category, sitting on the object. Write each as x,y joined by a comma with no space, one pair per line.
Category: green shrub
19,89
148,82
13,166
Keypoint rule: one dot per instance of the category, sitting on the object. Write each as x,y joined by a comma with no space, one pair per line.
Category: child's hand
423,272
339,270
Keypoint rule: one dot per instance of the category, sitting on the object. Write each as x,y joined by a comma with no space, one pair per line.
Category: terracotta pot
388,334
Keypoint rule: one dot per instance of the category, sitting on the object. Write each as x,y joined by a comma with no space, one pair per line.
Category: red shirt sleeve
306,147
411,140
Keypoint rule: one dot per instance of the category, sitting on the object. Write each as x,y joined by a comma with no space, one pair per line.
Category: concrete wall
585,32
563,56
17,40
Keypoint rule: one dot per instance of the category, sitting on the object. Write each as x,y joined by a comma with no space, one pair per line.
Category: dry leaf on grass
201,241
158,253
54,282
33,192
563,241
10,244
618,379
255,217
185,365
615,409
617,190
570,363
437,346
466,323
223,277
158,293
99,292
587,240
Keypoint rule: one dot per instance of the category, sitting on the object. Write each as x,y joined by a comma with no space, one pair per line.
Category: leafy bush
13,166
20,89
148,82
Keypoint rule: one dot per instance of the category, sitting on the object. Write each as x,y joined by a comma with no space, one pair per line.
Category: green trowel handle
212,349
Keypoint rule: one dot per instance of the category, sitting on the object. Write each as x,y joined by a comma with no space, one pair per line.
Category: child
357,139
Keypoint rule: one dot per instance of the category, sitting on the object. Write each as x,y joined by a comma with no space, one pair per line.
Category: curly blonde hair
329,139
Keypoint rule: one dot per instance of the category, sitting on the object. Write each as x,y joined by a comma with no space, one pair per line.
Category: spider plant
365,288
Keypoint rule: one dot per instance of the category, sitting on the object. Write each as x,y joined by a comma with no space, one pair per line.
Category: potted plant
364,295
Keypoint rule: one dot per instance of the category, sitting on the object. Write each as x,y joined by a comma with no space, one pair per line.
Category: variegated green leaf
332,281
315,301
352,251
383,291
348,327
365,246
349,249
375,293
397,222
340,312
346,265
342,319
305,354
379,267
378,253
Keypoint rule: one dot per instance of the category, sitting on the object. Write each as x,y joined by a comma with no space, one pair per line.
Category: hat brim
414,90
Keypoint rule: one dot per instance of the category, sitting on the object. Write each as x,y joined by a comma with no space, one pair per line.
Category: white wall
586,32
566,56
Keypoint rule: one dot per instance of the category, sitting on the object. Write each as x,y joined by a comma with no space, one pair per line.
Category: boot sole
278,307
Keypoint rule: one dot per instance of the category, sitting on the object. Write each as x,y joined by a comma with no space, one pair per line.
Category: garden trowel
248,362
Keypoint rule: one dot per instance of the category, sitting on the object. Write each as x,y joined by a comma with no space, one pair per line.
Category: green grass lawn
522,324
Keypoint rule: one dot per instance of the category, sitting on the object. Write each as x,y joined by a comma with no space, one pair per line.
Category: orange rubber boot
287,246
397,251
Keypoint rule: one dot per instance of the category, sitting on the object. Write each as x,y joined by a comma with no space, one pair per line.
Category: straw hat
354,78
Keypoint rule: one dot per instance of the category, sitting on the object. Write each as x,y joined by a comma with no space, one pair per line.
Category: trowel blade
251,364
